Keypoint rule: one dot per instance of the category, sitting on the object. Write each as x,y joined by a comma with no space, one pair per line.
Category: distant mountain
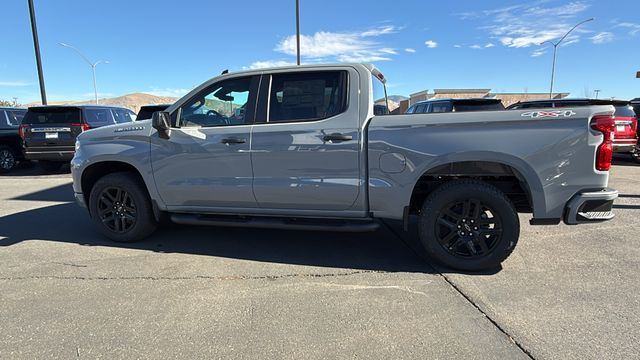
397,98
129,101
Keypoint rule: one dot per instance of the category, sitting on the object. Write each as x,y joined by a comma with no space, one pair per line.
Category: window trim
265,109
254,88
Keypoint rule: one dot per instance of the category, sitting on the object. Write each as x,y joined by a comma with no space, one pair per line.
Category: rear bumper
590,206
624,145
52,155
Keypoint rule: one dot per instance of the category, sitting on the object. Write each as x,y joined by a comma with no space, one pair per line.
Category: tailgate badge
548,114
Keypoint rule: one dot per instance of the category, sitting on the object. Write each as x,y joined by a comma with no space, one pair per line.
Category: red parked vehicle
625,137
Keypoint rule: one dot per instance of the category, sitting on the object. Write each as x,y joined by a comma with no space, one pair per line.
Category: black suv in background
146,111
49,132
625,134
10,150
455,105
635,103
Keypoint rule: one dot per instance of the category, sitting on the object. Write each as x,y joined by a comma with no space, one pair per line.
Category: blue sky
168,47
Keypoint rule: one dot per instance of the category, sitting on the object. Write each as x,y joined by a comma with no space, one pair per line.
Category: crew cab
300,148
10,149
625,136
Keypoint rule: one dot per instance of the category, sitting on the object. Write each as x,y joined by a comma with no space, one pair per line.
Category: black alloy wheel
468,228
117,209
7,159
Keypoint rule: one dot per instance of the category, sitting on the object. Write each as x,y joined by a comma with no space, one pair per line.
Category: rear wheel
7,159
120,206
469,225
50,166
636,153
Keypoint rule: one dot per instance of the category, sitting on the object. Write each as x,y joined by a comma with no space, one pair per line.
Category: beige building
507,98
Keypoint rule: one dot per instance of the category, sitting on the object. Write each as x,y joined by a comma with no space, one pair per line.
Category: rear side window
307,96
98,117
421,108
123,116
14,117
624,111
440,107
52,116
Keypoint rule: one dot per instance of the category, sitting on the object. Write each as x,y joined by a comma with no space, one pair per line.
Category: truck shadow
388,249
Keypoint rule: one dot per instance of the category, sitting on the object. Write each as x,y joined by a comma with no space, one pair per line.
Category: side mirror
161,121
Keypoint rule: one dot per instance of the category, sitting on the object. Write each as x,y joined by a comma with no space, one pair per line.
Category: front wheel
468,225
120,206
7,159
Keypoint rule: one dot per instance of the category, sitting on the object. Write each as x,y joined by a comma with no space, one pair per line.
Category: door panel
195,168
296,165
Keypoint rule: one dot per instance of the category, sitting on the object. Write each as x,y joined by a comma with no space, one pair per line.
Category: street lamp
555,49
92,64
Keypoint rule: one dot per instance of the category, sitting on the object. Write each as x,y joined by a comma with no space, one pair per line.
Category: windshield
62,115
15,117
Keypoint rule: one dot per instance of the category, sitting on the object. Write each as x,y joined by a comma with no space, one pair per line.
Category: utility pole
555,50
597,92
36,46
298,31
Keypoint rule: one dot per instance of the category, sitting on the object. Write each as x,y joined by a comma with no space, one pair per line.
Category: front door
305,143
206,162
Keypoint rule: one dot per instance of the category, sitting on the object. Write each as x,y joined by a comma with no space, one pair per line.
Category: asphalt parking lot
565,293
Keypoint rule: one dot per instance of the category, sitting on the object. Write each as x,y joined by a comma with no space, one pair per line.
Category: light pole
298,31
36,46
555,50
93,67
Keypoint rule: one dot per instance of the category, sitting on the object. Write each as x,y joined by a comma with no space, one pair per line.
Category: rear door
52,127
305,143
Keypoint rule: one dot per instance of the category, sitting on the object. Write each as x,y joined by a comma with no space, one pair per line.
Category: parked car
10,150
146,111
309,153
625,136
636,107
49,132
455,105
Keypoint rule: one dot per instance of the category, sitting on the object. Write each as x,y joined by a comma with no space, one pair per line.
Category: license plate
51,135
620,128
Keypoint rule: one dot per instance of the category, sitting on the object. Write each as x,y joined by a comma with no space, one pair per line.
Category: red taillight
83,126
606,125
22,129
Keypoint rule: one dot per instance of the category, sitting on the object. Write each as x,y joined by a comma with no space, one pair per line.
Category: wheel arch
514,177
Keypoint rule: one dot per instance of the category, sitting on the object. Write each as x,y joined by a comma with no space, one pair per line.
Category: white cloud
634,29
410,50
475,46
539,52
602,37
431,44
489,45
341,46
528,24
14,83
269,64
173,92
457,46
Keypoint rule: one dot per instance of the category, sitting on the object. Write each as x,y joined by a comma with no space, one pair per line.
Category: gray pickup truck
300,148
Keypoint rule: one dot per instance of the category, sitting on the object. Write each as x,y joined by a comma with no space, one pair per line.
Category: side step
368,225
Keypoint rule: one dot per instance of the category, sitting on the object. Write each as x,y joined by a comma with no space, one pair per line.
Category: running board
278,223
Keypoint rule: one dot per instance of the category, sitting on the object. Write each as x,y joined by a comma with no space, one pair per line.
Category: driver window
223,104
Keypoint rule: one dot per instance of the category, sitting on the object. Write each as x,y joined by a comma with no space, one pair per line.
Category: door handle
337,137
233,140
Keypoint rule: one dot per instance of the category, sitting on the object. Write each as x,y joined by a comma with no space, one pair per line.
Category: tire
8,159
120,206
50,166
635,155
455,235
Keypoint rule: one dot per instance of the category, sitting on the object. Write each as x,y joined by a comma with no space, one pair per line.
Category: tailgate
52,126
